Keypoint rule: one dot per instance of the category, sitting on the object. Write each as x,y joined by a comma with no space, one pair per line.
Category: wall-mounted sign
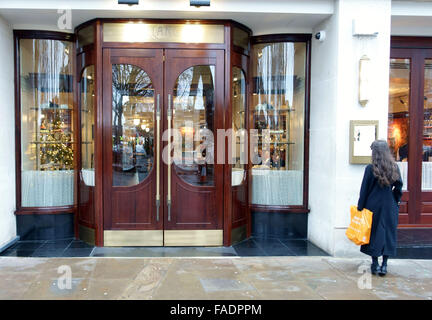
362,134
154,32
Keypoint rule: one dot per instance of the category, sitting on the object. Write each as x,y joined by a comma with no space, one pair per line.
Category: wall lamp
200,3
128,2
364,80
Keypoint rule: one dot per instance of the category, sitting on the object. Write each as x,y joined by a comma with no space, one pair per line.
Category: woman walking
381,191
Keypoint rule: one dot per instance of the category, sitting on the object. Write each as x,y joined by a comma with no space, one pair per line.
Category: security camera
321,35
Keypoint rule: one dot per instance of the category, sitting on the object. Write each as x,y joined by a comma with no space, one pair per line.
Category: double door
410,128
161,183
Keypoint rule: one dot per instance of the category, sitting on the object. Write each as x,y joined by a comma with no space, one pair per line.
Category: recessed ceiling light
200,3
128,2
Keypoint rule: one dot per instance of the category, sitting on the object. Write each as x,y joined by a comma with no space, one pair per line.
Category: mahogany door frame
97,47
177,61
148,60
415,202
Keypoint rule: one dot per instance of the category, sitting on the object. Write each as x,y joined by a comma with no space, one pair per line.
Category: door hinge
163,59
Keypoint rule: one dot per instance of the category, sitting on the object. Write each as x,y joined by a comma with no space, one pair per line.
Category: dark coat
384,204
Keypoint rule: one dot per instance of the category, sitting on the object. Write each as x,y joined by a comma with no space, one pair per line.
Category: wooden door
194,105
133,85
410,131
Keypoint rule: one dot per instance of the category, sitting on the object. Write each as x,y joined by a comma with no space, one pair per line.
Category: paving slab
220,278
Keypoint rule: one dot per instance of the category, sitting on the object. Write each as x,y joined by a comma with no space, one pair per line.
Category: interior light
200,3
147,129
136,121
128,2
143,126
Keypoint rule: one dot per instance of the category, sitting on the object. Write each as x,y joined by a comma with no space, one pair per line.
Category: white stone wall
334,183
7,135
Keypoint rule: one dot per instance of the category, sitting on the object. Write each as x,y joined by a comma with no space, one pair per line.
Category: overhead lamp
200,3
128,2
136,121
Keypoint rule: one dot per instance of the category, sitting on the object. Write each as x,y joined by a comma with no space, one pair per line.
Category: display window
278,104
47,122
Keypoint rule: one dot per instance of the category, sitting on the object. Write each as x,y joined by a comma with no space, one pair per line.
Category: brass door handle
169,118
158,119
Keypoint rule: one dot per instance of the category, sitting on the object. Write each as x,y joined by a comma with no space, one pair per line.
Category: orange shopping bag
360,227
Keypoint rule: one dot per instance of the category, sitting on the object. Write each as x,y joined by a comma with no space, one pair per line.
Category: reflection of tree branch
127,80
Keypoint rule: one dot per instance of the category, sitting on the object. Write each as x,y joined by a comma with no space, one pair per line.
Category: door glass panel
87,85
427,128
193,124
132,124
398,118
239,157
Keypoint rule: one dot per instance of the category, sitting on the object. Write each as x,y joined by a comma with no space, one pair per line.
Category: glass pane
398,118
427,129
241,38
86,36
87,86
239,157
132,124
193,118
278,110
47,126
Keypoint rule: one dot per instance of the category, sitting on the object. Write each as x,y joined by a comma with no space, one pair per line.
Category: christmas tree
56,152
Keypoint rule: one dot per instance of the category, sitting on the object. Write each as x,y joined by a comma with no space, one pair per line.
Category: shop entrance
410,123
159,190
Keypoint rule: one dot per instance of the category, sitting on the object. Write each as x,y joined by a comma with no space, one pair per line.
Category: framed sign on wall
362,134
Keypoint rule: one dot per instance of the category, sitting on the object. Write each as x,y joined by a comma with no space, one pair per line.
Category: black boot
383,269
374,265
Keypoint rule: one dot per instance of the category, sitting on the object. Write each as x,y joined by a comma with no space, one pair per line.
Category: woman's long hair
384,166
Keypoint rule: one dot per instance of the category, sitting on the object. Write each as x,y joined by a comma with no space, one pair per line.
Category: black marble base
279,225
77,248
45,226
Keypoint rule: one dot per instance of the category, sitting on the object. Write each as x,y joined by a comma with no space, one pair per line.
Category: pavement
224,278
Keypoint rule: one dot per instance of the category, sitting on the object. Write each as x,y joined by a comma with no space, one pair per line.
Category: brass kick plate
133,238
193,237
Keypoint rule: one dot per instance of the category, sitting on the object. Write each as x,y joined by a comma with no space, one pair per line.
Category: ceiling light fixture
128,2
200,3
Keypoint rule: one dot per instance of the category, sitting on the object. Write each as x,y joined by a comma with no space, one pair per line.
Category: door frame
211,234
416,205
117,233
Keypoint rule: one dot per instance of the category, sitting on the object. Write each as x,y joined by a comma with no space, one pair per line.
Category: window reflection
132,124
193,117
47,122
427,128
238,126
278,109
398,118
87,85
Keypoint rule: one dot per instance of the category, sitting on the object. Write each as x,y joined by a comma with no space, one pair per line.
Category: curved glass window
278,111
132,124
399,116
239,156
193,119
47,125
87,87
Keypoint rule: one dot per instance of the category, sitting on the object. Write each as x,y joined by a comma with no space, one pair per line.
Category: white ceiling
270,16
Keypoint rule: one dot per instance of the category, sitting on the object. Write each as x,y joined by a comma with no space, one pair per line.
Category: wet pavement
221,278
